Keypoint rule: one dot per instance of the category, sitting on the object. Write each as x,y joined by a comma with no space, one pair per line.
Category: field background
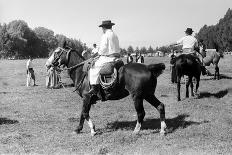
42,121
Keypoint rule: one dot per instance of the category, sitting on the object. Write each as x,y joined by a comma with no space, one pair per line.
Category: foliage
18,40
219,34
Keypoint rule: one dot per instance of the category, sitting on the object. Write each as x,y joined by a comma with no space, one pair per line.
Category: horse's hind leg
138,102
191,85
197,86
160,107
189,80
178,87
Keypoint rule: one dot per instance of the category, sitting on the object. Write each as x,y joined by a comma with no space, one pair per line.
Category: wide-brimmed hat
106,23
189,30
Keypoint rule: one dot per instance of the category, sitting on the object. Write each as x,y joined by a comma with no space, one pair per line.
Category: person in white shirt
94,50
109,51
189,44
30,72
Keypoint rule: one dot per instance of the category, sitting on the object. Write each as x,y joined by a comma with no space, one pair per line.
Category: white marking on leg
91,125
28,80
163,127
137,128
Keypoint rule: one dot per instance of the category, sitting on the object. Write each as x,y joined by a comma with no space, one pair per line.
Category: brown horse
138,80
212,57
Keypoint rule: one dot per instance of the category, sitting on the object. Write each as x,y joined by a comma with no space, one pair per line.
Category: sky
137,22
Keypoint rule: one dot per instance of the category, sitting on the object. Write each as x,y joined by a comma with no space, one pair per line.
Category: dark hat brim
189,31
109,24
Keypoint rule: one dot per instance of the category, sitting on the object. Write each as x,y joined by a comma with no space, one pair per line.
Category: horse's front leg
85,115
178,87
217,73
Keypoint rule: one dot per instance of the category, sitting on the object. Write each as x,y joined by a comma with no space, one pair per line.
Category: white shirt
29,64
95,50
188,42
109,43
83,53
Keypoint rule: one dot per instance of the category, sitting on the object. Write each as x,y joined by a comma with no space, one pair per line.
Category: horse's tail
156,69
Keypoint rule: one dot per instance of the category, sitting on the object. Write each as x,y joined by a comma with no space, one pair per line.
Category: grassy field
36,120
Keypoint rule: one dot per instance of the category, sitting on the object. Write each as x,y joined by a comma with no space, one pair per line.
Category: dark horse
187,64
138,80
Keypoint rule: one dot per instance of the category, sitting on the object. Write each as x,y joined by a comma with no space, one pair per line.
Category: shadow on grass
4,92
219,94
222,76
67,85
153,124
7,121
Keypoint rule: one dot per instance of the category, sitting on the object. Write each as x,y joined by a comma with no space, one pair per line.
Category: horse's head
59,57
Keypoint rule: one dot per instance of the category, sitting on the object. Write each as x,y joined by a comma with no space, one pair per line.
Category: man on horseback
109,51
189,44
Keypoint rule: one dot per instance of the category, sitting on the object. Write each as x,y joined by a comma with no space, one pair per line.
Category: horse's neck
75,73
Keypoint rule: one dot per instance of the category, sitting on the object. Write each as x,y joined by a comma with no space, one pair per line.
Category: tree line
18,40
219,34
214,36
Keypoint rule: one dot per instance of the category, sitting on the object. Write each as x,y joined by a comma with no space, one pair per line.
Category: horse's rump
156,69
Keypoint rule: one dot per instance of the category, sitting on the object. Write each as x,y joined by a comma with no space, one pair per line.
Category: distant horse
138,80
186,64
214,58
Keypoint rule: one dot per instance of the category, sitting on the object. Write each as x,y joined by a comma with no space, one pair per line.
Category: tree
130,49
47,36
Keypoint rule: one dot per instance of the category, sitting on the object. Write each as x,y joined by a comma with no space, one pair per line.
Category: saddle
109,74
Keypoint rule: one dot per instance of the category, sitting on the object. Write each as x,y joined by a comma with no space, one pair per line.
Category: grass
36,120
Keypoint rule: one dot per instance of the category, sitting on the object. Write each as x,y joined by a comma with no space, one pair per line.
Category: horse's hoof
162,133
178,99
93,133
77,131
136,132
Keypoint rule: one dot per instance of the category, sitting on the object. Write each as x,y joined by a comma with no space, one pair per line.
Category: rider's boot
94,89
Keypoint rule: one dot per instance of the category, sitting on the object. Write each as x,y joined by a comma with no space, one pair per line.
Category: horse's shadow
66,85
7,121
153,124
219,94
222,76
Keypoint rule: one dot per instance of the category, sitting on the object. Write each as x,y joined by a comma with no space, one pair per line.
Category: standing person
189,43
94,50
140,58
84,52
202,47
30,72
172,68
109,51
129,58
52,77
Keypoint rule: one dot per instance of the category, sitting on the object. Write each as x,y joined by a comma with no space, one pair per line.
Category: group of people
52,77
138,58
108,51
